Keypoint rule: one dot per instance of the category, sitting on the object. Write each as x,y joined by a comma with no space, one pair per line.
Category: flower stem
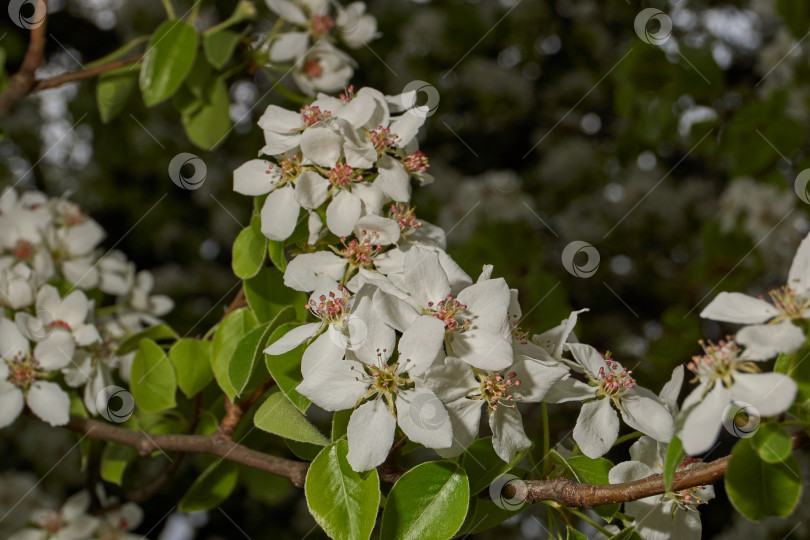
627,437
546,441
583,516
167,5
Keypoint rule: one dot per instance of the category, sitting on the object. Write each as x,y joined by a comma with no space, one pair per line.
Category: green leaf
244,356
342,501
208,121
626,534
192,363
278,416
113,90
772,443
594,471
231,330
758,489
485,514
114,461
212,487
168,59
248,251
674,458
275,250
428,501
267,295
483,465
117,54
219,47
152,380
156,333
303,451
340,423
286,368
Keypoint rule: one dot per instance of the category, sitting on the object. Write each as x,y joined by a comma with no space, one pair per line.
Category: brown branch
59,80
146,444
572,493
238,301
20,84
234,411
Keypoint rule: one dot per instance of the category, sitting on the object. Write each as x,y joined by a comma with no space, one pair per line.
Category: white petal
12,343
739,308
508,437
326,349
86,334
703,421
423,418
588,357
569,389
343,212
406,126
799,274
451,379
334,385
597,428
280,120
311,189
48,401
48,299
73,309
255,177
770,393
368,332
393,179
764,341
629,471
56,350
483,349
370,434
672,389
305,271
535,377
315,226
465,417
421,344
396,312
647,416
487,303
11,403
378,229
280,214
75,505
288,46
288,11
425,278
322,145
292,339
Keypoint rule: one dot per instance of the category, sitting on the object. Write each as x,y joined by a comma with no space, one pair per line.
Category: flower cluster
318,64
52,275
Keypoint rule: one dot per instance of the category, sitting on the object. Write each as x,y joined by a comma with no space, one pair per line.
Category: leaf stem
167,5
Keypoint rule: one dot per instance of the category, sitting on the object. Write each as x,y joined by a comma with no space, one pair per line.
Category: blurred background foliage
557,122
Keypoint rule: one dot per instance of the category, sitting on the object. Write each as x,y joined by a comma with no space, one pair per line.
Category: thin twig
20,84
59,80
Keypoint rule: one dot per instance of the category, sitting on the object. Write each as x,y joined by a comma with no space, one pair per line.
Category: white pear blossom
70,522
17,286
23,379
323,68
475,319
669,515
726,376
383,394
610,385
769,326
355,26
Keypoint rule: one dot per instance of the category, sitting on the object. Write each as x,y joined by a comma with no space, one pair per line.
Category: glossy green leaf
209,121
219,47
152,380
342,501
483,465
758,489
168,59
192,363
275,250
212,487
428,501
340,423
114,460
674,458
248,251
267,295
594,471
244,356
231,330
158,332
484,514
626,534
113,90
772,443
278,416
286,368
